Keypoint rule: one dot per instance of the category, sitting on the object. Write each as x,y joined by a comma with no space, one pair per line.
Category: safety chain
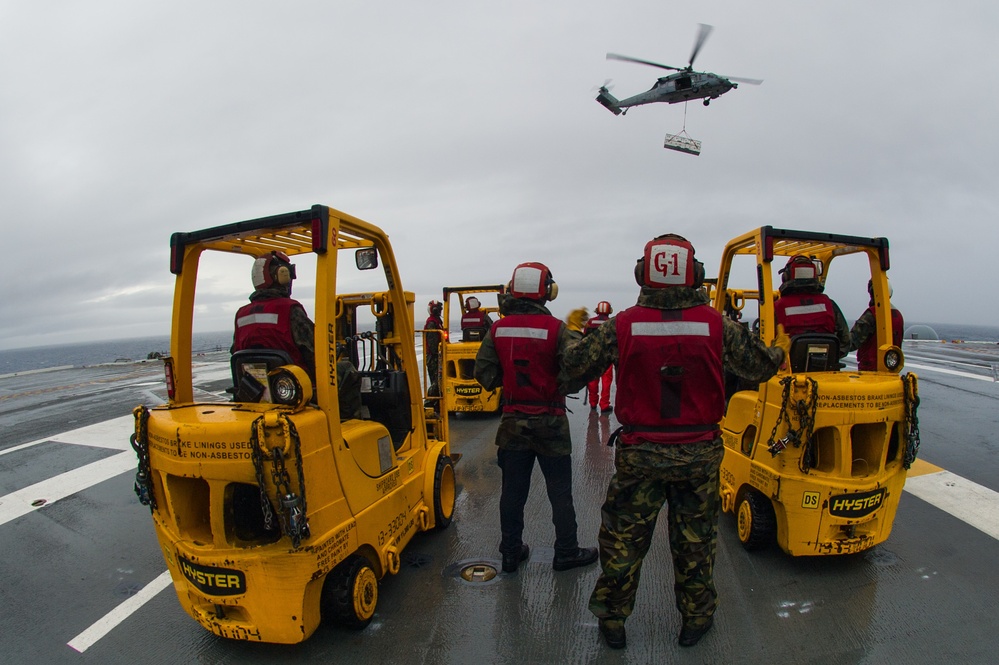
911,385
806,417
804,409
140,444
774,445
292,517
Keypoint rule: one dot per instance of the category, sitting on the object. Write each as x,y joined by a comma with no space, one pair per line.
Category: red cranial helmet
434,307
534,281
604,307
669,261
274,269
471,302
799,267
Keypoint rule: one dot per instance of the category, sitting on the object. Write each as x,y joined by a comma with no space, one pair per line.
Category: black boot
613,632
692,633
583,556
512,560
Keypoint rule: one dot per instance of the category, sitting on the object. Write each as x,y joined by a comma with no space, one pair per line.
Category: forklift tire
351,592
756,522
444,493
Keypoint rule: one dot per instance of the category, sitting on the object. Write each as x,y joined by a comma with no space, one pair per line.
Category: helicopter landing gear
706,101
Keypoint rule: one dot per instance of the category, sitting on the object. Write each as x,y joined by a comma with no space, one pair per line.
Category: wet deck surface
927,595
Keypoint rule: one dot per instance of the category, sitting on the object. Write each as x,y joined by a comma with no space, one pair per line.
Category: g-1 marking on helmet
669,261
471,302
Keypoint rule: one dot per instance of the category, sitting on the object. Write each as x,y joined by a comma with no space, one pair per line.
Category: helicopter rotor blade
701,37
739,79
625,58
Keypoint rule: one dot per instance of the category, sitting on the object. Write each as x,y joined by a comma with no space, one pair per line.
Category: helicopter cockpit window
683,83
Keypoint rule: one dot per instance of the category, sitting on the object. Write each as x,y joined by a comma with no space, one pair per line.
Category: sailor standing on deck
522,352
670,350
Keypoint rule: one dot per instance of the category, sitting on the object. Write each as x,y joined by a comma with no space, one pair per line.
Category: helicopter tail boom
609,101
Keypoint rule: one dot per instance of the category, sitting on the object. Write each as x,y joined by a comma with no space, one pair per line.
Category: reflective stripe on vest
805,313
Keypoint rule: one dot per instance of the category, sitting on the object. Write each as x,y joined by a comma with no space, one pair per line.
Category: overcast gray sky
468,131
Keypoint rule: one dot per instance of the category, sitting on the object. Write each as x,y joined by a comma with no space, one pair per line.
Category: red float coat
805,312
266,324
527,347
670,385
867,354
474,318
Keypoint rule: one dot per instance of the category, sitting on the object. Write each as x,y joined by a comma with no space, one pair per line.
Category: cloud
469,132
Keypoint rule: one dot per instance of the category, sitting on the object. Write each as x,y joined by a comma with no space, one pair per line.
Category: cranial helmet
471,302
669,261
274,269
604,307
434,307
534,281
799,268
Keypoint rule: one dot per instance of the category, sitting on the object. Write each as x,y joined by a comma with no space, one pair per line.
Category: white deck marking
19,503
944,370
965,500
109,621
112,434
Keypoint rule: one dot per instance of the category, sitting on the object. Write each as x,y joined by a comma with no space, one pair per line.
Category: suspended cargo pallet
682,143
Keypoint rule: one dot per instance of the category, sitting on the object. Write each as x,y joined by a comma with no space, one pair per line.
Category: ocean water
126,350
98,353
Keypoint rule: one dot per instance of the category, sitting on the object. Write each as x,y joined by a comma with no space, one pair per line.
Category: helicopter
683,86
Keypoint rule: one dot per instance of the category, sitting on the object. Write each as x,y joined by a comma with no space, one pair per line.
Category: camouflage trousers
628,520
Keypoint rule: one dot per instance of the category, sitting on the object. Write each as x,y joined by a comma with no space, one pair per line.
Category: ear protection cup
552,290
283,276
275,268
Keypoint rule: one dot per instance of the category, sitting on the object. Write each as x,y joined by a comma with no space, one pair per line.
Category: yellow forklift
462,393
816,457
272,510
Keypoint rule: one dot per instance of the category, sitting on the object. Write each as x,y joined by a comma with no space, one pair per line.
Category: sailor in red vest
863,335
432,349
804,308
522,352
670,351
272,319
602,384
474,318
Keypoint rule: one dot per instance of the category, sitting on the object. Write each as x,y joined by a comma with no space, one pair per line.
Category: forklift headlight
291,386
893,359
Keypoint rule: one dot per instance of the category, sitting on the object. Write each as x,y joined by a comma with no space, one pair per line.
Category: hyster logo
213,581
856,505
468,391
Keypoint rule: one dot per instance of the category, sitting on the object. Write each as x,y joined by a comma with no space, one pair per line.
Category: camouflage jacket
863,328
743,354
544,434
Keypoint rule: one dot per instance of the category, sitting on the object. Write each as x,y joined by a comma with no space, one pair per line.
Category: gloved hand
783,341
577,318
